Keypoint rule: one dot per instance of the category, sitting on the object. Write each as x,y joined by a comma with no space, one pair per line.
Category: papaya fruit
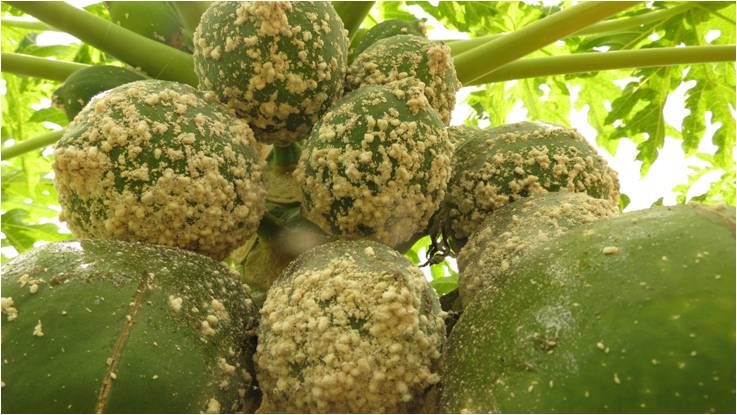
160,162
401,56
350,326
278,65
82,85
496,166
156,20
376,165
631,314
388,28
513,230
119,327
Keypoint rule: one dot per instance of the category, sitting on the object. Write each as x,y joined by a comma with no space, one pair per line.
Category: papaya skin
350,326
499,165
160,162
376,165
630,314
111,326
278,65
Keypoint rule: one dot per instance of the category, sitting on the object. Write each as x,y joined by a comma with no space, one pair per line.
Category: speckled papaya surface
630,314
110,326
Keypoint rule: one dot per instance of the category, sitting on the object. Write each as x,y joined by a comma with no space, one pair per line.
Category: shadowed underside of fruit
82,85
279,65
499,165
283,235
110,326
350,326
630,314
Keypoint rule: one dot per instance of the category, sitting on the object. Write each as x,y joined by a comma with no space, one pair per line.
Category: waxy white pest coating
348,329
376,165
279,65
402,56
158,162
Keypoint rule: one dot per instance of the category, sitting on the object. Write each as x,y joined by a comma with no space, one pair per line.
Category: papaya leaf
22,235
446,284
50,114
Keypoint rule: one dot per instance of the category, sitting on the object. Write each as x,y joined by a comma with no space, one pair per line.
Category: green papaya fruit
279,65
160,162
629,314
513,230
401,56
111,326
388,28
376,165
498,165
157,20
350,326
82,85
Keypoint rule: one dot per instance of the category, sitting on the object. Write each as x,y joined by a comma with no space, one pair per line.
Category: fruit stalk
39,67
597,61
31,144
156,59
23,23
352,13
481,60
285,157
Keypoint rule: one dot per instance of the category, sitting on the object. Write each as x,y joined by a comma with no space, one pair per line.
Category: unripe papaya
634,313
499,165
279,65
160,162
111,326
156,20
401,56
350,326
79,88
376,165
388,28
513,230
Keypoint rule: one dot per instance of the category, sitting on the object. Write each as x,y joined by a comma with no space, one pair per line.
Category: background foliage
630,110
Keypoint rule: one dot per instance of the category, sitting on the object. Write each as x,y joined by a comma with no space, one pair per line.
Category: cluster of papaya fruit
565,304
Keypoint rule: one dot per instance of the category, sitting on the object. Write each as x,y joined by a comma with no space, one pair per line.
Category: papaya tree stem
24,23
156,59
352,13
597,61
39,67
31,144
606,26
500,51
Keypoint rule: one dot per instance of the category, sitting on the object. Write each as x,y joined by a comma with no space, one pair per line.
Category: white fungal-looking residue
347,338
8,309
38,329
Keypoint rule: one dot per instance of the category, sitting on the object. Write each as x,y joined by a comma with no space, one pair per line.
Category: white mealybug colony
349,327
376,165
159,162
279,65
